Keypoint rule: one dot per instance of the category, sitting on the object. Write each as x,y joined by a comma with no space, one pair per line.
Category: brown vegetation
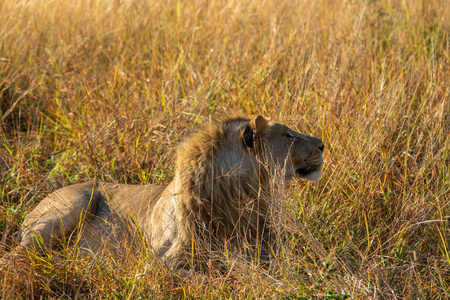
105,89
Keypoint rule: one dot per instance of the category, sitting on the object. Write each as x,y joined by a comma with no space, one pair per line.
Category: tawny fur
219,195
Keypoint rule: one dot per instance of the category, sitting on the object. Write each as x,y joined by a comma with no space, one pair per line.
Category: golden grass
105,89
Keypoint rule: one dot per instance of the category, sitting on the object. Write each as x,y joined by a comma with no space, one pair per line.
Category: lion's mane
222,184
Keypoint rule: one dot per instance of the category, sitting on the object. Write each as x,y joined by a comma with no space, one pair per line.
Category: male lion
220,195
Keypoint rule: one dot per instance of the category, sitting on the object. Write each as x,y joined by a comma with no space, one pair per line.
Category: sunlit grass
106,89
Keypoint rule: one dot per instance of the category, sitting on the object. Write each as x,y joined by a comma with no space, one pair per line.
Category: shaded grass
106,89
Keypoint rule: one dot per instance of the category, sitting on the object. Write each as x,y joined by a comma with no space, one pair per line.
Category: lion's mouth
305,171
311,173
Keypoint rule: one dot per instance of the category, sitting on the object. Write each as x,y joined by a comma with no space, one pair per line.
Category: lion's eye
289,136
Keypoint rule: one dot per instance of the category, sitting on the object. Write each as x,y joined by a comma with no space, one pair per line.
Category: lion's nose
321,147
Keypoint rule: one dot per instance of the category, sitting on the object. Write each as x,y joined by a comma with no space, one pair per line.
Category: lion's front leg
166,238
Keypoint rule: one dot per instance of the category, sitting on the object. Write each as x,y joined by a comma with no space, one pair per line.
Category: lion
220,195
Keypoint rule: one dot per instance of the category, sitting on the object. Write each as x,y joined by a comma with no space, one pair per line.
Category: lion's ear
247,136
254,129
260,124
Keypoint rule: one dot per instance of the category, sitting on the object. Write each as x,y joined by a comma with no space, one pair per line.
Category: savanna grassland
104,90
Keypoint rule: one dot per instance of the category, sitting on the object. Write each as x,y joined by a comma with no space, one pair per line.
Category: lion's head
295,153
233,143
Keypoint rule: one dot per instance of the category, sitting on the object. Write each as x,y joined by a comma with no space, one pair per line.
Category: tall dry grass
106,89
